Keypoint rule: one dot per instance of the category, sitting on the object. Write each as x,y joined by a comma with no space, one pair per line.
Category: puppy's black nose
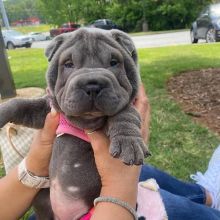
92,89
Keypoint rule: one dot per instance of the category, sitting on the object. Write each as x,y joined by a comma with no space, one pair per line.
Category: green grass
29,67
178,144
34,28
176,141
1,168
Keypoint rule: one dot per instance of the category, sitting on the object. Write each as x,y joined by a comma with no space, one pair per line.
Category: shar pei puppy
92,79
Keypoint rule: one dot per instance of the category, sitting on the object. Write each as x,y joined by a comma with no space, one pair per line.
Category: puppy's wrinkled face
95,76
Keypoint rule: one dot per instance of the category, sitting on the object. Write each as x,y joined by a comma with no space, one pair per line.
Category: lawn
28,67
33,28
178,145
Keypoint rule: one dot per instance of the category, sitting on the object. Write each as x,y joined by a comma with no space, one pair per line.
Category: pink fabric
66,127
150,204
88,215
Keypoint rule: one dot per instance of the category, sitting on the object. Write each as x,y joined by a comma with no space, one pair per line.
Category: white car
13,39
37,36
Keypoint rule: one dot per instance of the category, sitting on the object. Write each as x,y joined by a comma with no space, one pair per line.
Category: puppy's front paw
131,150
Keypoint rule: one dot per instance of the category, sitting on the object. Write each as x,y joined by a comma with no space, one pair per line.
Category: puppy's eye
113,62
69,64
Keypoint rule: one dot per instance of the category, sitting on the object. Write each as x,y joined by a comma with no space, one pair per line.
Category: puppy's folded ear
54,46
126,42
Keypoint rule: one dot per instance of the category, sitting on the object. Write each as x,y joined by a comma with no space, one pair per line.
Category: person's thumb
99,142
51,122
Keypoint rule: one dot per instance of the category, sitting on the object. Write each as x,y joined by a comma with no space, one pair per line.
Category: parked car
67,27
207,25
13,39
37,36
103,24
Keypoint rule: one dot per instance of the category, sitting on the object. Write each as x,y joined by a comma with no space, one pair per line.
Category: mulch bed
198,93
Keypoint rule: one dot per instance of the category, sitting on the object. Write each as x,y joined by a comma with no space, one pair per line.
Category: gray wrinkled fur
94,93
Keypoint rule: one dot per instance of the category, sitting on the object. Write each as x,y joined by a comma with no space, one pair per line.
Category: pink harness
66,127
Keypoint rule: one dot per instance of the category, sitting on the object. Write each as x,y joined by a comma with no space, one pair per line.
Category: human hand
118,180
143,107
38,158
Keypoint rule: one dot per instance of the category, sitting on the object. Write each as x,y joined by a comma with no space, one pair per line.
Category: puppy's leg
30,113
124,130
27,112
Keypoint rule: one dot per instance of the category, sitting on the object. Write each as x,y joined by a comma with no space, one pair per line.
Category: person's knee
147,171
32,217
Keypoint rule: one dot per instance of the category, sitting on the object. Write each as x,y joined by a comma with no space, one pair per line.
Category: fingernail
148,154
115,154
53,112
131,162
141,162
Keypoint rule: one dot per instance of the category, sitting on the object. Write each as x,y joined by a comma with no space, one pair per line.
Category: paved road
156,40
160,40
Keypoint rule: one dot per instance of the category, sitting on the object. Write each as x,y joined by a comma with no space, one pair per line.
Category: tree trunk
144,26
4,15
7,86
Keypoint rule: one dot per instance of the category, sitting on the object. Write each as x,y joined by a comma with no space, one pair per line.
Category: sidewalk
30,92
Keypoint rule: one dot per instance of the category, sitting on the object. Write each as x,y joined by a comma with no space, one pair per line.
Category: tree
61,11
7,87
160,14
128,14
172,14
93,9
22,9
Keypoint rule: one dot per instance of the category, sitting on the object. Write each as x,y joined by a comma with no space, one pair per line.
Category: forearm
111,211
15,198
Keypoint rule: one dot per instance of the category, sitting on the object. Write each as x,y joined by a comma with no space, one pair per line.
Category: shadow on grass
179,145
